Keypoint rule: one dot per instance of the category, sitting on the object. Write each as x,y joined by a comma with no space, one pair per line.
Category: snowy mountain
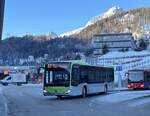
112,11
52,35
115,20
76,31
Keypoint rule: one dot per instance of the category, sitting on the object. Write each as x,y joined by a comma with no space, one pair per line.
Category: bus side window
97,75
50,76
109,77
90,74
112,76
147,77
75,76
47,77
103,77
83,76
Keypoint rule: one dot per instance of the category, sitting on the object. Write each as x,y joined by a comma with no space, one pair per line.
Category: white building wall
114,42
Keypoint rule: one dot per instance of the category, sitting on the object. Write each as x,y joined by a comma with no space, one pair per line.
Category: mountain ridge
110,12
128,21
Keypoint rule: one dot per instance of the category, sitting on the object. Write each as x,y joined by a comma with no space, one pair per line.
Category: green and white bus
73,78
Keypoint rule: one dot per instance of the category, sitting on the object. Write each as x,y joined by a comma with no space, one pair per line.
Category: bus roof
79,62
70,61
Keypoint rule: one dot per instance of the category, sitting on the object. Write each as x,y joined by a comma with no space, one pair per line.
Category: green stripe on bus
56,89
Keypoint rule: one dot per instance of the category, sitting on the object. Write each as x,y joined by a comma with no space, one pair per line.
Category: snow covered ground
3,104
131,98
140,102
0,90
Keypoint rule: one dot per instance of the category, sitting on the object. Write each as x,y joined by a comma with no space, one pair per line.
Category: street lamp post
2,4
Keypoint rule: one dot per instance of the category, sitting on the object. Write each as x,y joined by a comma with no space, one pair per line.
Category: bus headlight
68,91
45,91
142,85
129,86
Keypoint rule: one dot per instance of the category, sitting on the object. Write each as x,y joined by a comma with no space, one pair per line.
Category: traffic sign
118,68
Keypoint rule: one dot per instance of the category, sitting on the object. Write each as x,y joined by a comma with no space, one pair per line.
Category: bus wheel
59,97
84,92
18,84
4,84
105,89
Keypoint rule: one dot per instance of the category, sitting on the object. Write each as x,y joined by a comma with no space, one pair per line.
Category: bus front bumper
45,93
136,86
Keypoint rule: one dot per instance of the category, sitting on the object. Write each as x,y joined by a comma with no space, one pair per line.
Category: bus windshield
136,76
57,77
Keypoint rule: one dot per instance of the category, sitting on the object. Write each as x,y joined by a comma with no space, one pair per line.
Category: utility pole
2,5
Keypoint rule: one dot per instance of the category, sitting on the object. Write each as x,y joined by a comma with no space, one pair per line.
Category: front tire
18,84
105,89
5,84
59,97
84,92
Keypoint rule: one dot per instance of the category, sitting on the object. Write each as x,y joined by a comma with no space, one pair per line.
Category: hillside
31,50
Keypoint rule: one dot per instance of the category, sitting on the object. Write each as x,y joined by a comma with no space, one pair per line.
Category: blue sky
43,16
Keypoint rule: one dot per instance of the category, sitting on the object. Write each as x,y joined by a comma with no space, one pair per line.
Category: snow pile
122,96
112,11
30,84
125,54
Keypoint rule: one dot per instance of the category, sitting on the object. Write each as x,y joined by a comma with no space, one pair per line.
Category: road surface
29,101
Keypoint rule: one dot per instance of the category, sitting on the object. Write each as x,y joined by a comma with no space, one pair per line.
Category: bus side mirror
9,78
41,70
